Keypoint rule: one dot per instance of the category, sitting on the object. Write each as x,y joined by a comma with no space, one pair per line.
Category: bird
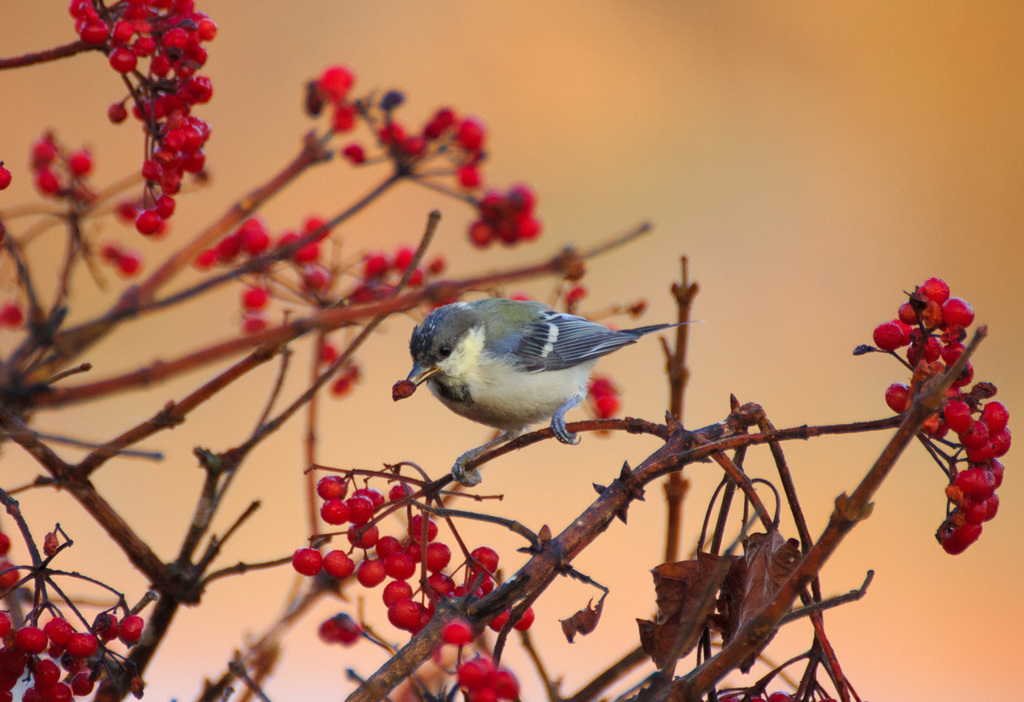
509,364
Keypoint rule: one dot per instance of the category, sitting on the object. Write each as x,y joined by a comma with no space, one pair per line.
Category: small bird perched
509,364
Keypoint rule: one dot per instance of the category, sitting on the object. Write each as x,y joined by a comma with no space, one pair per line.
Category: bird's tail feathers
641,331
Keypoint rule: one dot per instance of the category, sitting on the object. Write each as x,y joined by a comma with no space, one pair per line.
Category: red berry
457,632
8,579
441,121
481,233
334,511
94,32
30,639
416,528
5,177
399,566
360,509
469,176
499,621
370,573
148,222
363,537
80,162
354,153
396,590
526,621
438,556
331,487
11,315
897,396
46,181
82,684
255,298
958,416
473,673
387,545
397,492
340,628
471,135
976,483
607,406
1000,442
404,614
994,414
338,565
59,631
529,228
82,645
487,558
504,684
935,290
117,113
253,323
207,30
129,263
335,82
955,541
106,626
45,673
958,312
374,265
307,561
976,437
131,629
890,336
372,494
165,206
441,584
122,60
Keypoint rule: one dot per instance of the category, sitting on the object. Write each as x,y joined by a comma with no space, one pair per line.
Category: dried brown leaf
768,560
584,621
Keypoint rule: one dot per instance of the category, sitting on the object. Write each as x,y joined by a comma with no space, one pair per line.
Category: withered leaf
584,621
769,559
685,595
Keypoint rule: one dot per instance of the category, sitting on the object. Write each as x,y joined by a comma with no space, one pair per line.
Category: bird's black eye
445,351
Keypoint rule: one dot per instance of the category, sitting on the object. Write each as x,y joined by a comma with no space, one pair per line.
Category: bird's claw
467,476
562,433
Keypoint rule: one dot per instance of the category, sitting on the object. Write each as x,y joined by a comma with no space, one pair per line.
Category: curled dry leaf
584,621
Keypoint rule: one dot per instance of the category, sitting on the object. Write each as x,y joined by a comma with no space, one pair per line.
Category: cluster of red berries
506,217
394,561
604,397
169,34
63,662
58,172
932,325
381,272
485,682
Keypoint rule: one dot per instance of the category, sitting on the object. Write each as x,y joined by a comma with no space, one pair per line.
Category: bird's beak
418,373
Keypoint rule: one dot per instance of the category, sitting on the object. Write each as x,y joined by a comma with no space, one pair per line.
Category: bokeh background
812,160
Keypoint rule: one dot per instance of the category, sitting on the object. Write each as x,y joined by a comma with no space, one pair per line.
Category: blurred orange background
812,160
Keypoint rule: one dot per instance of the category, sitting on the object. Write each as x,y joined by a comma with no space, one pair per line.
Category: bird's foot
558,423
467,476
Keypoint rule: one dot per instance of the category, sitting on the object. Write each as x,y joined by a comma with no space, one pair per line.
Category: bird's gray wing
557,341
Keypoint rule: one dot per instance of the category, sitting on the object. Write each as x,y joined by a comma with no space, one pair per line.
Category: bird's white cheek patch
464,361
